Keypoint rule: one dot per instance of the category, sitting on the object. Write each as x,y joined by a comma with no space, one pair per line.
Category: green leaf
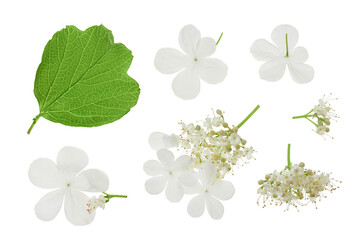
82,79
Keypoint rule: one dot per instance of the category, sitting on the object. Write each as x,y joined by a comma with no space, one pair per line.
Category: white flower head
194,64
69,181
95,203
174,175
282,54
321,116
158,140
209,191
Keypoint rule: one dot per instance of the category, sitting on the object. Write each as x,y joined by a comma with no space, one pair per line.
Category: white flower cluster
322,114
95,202
216,142
211,151
295,186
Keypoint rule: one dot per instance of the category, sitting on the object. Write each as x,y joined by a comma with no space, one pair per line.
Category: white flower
194,64
158,140
209,191
94,203
66,177
170,173
277,57
234,139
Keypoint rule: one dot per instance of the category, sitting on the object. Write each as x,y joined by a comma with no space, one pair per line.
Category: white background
330,32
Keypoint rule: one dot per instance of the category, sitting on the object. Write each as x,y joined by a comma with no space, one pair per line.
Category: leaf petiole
248,116
35,119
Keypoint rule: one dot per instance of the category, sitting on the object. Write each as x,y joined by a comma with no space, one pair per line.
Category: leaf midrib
55,100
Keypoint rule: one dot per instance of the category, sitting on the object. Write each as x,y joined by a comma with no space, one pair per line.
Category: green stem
110,196
248,116
287,46
302,116
219,39
35,119
312,122
288,157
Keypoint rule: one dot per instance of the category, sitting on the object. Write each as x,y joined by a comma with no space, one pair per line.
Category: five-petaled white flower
195,63
209,191
158,140
66,177
175,175
285,38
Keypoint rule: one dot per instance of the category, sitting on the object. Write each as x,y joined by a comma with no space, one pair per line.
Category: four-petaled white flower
66,177
209,191
158,140
195,63
285,38
174,175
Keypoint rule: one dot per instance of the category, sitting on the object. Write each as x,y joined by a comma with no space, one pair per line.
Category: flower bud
301,164
267,176
219,112
261,182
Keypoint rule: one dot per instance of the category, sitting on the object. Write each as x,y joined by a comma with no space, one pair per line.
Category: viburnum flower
216,142
283,54
295,186
174,175
209,192
322,114
194,64
69,181
158,140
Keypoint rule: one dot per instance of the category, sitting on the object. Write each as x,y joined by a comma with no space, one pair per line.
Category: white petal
49,205
273,70
182,162
188,39
197,188
212,70
186,85
71,160
196,206
223,190
279,37
76,209
166,157
188,178
94,179
156,140
263,50
156,185
174,191
153,168
214,207
44,173
205,48
301,72
170,60
207,174
171,141
299,54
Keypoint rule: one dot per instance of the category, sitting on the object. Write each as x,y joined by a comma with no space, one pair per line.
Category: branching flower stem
110,196
248,116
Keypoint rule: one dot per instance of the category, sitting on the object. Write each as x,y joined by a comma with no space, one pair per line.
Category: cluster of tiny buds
217,142
295,186
95,202
324,114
